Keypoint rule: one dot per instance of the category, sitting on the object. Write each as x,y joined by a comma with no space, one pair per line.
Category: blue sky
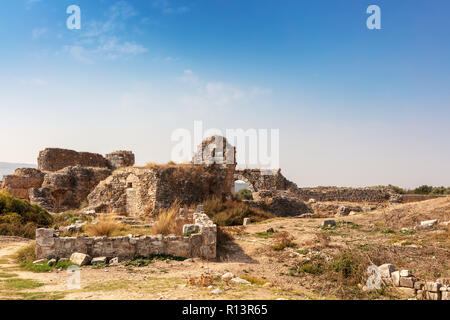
354,106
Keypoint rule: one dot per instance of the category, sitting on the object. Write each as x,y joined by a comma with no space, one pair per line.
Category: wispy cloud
37,33
215,93
101,40
33,81
30,3
166,7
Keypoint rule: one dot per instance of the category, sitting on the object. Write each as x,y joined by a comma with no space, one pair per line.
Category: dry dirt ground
249,254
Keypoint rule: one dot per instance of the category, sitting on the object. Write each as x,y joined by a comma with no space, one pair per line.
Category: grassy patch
145,261
7,275
387,231
264,234
44,267
303,251
21,284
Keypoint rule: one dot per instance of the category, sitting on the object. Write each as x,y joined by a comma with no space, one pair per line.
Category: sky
354,107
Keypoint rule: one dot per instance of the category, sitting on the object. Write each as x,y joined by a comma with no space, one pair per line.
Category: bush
423,189
283,240
440,191
398,189
244,194
167,221
232,213
105,227
20,218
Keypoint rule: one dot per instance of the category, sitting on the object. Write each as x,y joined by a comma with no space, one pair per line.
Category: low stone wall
200,244
349,194
422,290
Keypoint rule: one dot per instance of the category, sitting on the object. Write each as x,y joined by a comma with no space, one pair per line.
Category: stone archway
238,176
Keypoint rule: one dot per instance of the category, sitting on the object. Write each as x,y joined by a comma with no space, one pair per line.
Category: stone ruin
64,178
67,180
199,240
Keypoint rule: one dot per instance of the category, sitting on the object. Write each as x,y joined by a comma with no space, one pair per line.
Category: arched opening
242,190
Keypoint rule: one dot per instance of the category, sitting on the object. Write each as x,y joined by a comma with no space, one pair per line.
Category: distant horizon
34,165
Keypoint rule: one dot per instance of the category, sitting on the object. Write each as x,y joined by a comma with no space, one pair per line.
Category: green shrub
423,189
20,218
345,265
244,194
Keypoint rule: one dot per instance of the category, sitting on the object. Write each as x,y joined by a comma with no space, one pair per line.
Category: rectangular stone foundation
201,244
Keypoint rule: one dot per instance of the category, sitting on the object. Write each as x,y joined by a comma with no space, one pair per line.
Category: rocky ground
384,235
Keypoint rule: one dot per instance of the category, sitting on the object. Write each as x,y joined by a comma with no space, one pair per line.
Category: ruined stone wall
54,159
375,194
67,189
136,191
120,159
21,181
259,180
128,191
201,244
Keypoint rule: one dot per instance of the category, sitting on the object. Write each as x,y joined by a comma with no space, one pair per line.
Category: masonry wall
54,159
348,194
135,191
259,180
200,244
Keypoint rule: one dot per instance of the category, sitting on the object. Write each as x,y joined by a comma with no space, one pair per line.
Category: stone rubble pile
405,280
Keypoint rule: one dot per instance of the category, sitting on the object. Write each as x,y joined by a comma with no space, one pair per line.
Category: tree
244,194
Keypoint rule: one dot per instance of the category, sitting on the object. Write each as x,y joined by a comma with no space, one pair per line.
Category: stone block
432,286
407,282
396,278
405,273
385,270
80,259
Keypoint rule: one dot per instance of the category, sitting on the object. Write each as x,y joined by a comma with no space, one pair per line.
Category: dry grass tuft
105,227
323,239
283,240
167,221
205,280
26,253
